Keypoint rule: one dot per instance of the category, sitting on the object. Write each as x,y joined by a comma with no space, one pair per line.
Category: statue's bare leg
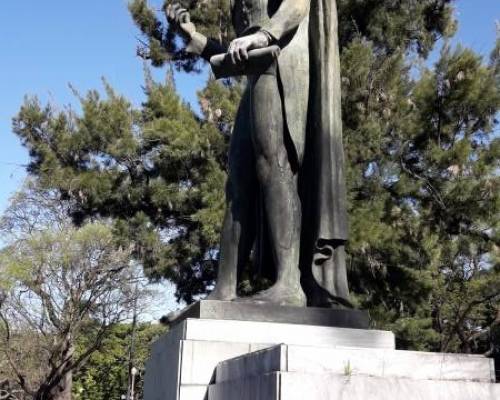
238,230
278,181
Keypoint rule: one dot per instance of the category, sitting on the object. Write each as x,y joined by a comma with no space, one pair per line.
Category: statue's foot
279,295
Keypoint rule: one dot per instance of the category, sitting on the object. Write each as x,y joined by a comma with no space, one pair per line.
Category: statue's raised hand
179,16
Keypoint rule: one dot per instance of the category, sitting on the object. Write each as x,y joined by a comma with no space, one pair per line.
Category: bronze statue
286,159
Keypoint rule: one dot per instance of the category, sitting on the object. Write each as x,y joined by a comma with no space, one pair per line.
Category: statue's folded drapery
323,182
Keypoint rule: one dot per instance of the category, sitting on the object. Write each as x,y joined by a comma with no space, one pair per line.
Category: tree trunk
63,390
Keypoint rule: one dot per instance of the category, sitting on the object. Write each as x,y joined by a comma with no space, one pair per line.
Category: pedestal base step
300,386
298,372
358,361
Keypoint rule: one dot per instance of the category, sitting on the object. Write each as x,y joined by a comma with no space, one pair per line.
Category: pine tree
157,171
423,162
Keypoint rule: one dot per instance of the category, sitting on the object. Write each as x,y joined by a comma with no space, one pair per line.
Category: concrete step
324,386
345,361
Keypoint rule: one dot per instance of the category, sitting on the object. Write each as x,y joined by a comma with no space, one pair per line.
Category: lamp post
133,372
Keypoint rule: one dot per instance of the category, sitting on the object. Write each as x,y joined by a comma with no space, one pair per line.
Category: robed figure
286,196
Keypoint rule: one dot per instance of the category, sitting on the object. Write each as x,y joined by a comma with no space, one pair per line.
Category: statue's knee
283,163
264,169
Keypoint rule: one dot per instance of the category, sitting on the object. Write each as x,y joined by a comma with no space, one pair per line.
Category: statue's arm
204,47
197,43
287,18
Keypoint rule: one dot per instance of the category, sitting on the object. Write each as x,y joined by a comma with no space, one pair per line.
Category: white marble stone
193,392
335,360
262,387
275,333
199,359
189,353
303,386
161,381
182,369
455,366
300,386
357,361
268,361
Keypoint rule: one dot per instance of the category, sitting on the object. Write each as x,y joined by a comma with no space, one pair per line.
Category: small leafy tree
57,281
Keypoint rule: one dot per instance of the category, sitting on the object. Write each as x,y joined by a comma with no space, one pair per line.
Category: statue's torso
250,15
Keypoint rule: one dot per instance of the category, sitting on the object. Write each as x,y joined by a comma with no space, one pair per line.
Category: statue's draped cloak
325,122
309,73
323,180
310,64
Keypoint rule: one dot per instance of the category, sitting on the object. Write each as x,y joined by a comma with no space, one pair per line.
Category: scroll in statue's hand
258,61
238,49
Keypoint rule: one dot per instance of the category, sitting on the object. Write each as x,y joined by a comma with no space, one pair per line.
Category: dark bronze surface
259,60
285,194
227,310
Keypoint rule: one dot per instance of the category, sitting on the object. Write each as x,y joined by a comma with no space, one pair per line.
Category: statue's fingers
233,56
172,11
237,54
169,12
175,7
184,17
243,53
178,15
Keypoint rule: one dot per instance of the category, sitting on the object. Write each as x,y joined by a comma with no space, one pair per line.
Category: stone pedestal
224,359
183,361
288,372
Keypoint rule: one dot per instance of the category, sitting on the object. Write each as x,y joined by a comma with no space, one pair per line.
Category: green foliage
424,195
106,374
162,43
158,171
56,282
396,25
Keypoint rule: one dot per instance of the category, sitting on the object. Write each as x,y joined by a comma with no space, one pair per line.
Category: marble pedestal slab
183,361
298,372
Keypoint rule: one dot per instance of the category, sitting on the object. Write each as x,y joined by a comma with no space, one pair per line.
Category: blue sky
47,44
